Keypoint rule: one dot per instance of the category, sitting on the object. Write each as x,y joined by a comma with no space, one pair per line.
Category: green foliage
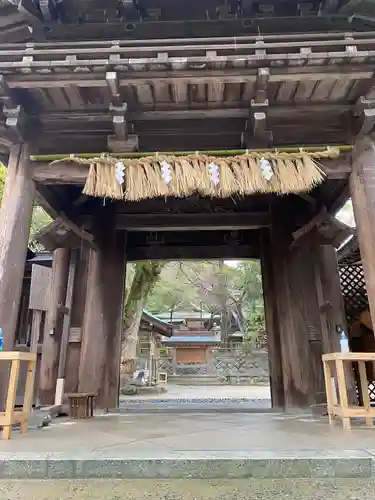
40,217
232,291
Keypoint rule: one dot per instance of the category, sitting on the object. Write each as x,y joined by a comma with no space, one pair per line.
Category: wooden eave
191,96
157,325
85,19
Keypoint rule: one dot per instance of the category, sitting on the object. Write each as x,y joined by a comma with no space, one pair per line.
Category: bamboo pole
223,152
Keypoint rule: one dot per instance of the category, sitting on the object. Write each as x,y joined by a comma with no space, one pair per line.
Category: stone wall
227,367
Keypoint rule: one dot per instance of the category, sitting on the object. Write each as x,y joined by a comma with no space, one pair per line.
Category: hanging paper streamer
166,171
266,168
120,172
214,173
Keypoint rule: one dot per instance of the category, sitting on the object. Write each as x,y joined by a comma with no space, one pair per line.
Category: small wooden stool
341,408
12,416
81,404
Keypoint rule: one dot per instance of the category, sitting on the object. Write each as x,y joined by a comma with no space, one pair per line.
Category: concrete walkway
173,446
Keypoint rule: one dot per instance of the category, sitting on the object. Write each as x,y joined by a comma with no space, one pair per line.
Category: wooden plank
286,91
350,356
59,98
17,355
74,97
340,373
364,391
322,89
67,317
305,89
11,398
36,324
40,281
340,89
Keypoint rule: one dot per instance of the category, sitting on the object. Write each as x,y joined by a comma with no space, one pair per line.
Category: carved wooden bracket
120,141
365,110
257,125
14,115
329,230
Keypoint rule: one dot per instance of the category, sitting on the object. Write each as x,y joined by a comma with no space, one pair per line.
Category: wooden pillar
104,298
53,326
272,325
78,308
362,190
15,219
116,317
299,322
331,302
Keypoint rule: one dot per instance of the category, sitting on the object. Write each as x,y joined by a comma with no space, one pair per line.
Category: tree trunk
145,277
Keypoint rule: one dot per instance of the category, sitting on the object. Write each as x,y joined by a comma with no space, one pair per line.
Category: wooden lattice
353,289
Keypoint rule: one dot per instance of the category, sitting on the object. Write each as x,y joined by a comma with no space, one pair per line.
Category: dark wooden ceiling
22,20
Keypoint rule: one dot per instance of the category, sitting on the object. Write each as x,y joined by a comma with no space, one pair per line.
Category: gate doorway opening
201,339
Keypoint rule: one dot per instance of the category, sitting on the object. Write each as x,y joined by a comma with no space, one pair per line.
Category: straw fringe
237,175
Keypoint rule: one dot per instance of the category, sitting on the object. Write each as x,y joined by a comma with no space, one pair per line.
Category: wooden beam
190,252
196,221
213,111
52,208
244,75
72,173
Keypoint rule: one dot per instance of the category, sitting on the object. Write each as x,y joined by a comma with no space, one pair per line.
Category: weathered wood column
100,356
362,190
53,326
330,299
15,219
78,308
272,324
112,375
298,321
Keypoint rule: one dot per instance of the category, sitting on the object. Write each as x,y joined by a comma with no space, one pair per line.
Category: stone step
182,489
186,465
204,405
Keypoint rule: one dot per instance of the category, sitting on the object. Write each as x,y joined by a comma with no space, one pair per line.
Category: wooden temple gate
68,87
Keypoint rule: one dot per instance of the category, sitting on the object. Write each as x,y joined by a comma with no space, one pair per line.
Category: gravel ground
245,489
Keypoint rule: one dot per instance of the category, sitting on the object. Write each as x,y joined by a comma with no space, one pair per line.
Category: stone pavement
178,398
194,489
193,445
252,392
